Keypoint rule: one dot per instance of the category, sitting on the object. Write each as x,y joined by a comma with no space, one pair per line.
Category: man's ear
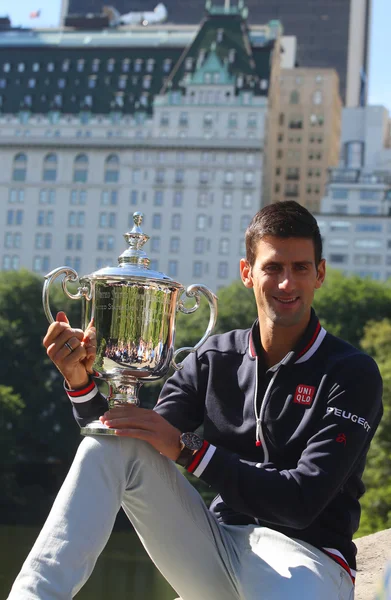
245,273
321,274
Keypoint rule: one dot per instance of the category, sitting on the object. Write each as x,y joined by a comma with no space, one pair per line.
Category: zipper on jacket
260,438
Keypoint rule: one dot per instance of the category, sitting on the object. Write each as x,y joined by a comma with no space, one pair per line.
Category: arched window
295,97
19,167
50,167
112,169
80,168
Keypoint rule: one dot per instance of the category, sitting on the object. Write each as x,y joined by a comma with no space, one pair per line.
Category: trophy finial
138,218
136,239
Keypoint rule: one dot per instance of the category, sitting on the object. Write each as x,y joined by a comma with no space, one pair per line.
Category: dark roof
252,63
128,76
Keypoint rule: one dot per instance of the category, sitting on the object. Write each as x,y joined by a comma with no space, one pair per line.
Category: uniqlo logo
304,394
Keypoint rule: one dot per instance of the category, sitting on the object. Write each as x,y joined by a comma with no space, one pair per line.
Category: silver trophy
134,311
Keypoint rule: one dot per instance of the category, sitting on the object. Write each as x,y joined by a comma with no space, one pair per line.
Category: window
244,222
136,176
16,196
204,176
19,167
296,122
247,201
109,198
373,227
339,226
172,268
12,240
249,178
339,194
201,222
338,242
197,268
368,259
228,177
174,244
369,210
50,167
199,245
78,197
370,195
294,97
178,198
183,119
232,120
159,177
224,246
338,258
317,97
252,120
369,243
222,270
45,218
176,221
155,244
179,175
208,120
226,223
156,221
133,197
227,200
107,220
167,65
340,209
158,199
80,168
111,169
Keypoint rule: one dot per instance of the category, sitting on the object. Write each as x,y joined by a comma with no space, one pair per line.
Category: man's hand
145,424
75,365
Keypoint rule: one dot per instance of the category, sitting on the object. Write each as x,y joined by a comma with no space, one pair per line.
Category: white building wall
216,210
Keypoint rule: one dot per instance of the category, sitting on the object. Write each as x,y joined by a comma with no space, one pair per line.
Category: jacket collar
304,349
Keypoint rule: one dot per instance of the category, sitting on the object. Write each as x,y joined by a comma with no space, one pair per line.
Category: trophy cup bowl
134,311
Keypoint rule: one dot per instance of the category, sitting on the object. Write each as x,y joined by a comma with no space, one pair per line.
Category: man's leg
184,540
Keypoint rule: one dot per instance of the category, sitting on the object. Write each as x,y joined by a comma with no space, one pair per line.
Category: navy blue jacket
286,446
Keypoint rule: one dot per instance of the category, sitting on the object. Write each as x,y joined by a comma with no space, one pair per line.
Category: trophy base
96,428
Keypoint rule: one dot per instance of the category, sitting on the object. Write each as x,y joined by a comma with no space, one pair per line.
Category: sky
379,70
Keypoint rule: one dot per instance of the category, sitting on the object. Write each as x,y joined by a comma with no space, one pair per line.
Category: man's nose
287,281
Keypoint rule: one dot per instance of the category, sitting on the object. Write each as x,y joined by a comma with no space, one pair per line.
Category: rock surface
372,554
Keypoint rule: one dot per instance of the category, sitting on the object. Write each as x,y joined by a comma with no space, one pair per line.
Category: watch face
192,441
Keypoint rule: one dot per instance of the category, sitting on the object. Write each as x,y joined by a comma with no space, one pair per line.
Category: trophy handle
70,275
194,291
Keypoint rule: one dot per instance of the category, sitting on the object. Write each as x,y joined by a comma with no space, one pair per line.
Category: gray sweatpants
199,557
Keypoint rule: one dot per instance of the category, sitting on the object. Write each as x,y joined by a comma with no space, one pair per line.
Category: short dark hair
283,220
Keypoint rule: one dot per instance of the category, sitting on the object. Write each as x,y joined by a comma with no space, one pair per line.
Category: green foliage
345,304
11,407
45,426
376,503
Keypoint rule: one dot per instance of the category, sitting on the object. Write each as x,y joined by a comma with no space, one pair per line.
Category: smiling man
288,412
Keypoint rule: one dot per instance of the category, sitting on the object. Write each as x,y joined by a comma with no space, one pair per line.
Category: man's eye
272,268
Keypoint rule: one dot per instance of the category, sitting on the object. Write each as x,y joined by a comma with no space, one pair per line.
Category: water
123,570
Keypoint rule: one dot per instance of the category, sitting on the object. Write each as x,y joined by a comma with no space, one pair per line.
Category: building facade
177,137
355,218
307,136
332,35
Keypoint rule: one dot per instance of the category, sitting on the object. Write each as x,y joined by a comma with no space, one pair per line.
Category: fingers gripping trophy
133,309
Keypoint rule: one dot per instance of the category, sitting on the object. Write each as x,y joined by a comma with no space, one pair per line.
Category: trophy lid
133,264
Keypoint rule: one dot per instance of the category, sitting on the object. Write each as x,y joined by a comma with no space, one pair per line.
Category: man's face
284,277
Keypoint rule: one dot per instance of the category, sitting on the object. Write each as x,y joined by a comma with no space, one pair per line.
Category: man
288,413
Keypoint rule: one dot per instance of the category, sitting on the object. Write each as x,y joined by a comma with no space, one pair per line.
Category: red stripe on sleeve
198,456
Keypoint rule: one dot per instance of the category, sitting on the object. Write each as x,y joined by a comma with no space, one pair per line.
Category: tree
376,503
345,304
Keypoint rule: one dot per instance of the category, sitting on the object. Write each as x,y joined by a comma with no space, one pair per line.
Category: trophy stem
119,393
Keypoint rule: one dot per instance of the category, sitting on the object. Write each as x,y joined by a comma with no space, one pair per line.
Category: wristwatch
190,444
